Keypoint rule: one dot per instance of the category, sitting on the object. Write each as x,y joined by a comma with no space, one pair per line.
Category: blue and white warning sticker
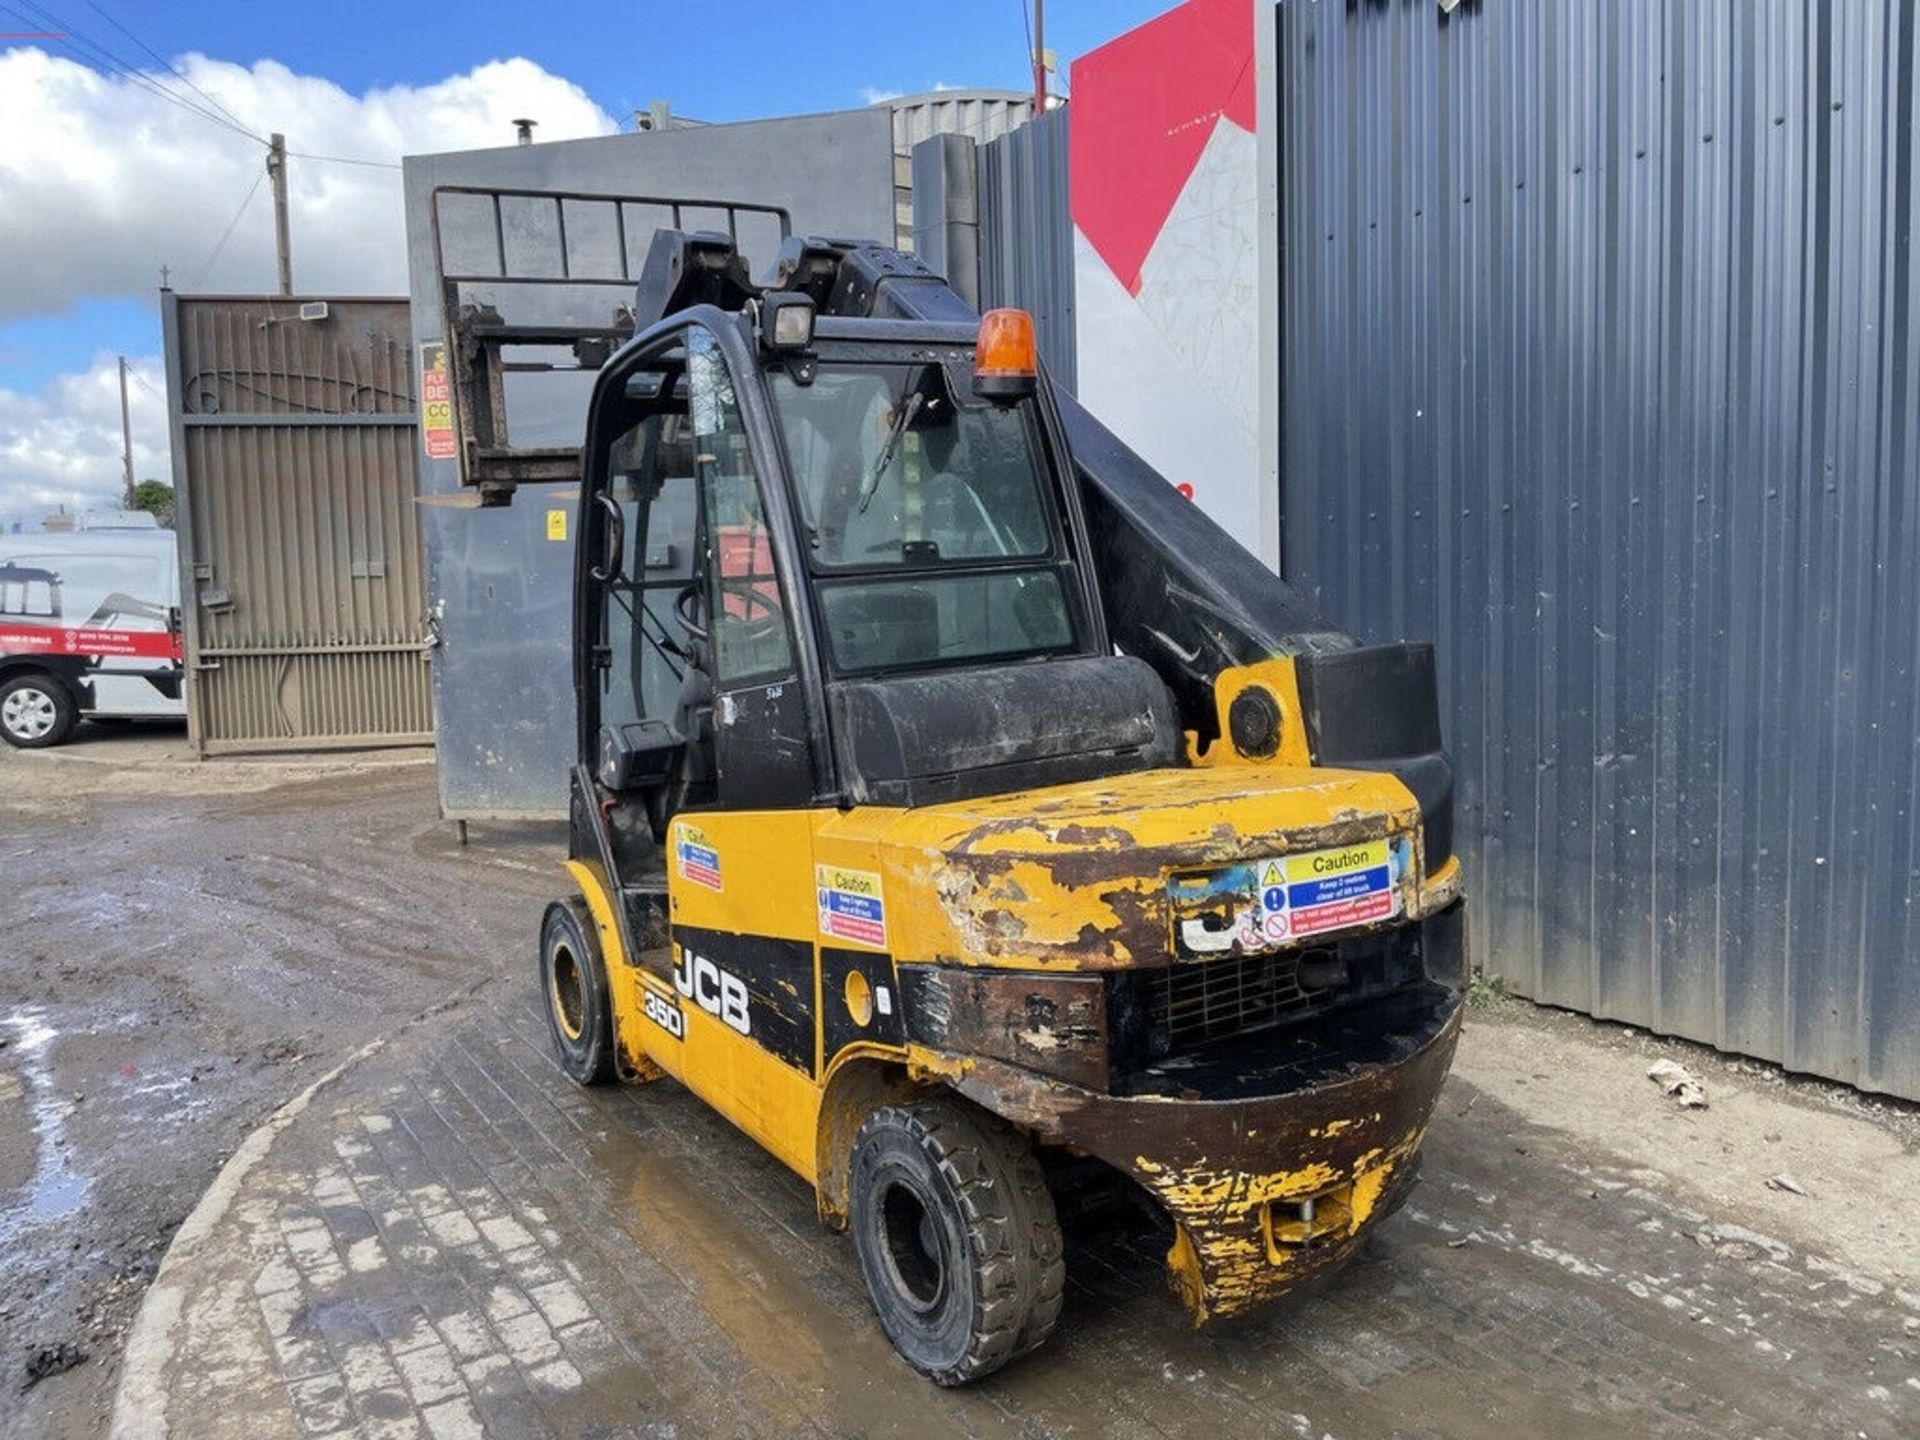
1262,904
852,905
694,856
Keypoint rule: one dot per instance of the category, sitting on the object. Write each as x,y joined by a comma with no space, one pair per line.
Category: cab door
739,862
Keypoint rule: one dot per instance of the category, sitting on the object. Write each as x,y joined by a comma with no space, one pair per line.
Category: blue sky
726,61
107,180
753,62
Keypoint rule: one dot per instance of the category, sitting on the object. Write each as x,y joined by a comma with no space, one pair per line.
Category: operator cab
849,570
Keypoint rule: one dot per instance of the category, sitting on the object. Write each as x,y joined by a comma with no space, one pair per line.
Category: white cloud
60,446
878,95
109,181
106,182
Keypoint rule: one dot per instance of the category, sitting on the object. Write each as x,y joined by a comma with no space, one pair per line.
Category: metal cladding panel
294,444
500,581
979,115
1026,234
1602,372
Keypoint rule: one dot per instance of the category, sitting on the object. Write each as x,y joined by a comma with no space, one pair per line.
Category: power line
343,160
232,225
97,55
160,59
93,53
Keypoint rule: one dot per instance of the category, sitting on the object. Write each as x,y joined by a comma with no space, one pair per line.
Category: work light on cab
1005,366
786,320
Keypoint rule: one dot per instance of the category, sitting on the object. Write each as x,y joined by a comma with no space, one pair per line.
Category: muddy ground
186,947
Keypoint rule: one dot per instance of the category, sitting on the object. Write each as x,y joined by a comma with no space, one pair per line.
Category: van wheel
573,979
957,1238
36,711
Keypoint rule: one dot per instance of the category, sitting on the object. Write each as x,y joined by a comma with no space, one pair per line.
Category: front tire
573,981
957,1238
36,711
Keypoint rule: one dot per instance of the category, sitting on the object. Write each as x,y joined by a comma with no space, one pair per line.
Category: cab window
930,527
747,617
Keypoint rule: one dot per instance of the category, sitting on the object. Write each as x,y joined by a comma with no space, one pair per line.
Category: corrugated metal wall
980,115
294,462
1602,371
1026,234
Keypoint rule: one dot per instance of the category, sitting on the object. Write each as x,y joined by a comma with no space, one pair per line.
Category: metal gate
295,475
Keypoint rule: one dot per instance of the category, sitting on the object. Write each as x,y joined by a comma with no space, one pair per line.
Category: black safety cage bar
477,333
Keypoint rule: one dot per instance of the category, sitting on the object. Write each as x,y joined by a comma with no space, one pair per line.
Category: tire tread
1010,1219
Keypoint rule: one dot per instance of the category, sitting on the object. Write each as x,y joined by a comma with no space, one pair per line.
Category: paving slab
446,1239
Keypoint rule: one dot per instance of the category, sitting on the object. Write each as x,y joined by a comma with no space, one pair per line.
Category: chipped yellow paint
1068,877
1230,1253
1368,1183
1278,677
1074,876
1183,1269
602,911
622,978
936,1065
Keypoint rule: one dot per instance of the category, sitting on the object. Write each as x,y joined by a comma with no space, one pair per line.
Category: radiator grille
1193,1004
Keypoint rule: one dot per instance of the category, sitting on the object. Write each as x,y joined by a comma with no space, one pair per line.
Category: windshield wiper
900,423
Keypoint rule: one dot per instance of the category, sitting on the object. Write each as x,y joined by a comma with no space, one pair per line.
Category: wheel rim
567,991
914,1247
29,713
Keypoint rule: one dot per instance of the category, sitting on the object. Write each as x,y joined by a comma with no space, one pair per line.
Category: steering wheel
689,602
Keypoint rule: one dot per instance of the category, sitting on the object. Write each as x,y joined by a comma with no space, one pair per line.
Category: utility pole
126,433
1039,58
277,168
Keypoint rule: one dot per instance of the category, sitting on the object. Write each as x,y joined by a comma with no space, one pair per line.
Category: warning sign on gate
436,402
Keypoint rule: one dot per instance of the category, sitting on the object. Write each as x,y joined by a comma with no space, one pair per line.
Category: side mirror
638,755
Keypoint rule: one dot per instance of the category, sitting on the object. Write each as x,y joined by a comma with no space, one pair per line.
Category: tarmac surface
440,1237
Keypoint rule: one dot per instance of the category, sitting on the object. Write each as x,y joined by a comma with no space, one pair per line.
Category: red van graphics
88,627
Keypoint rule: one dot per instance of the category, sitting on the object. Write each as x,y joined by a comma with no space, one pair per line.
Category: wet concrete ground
182,948
451,1240
456,1241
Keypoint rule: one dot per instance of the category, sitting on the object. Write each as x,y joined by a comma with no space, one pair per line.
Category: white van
89,626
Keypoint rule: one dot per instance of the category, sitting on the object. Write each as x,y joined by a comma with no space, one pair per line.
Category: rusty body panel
1075,877
1264,1190
1054,1024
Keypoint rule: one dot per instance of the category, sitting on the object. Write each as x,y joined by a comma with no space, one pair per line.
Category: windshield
929,523
891,471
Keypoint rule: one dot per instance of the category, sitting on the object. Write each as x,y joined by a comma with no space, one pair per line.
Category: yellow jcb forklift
955,801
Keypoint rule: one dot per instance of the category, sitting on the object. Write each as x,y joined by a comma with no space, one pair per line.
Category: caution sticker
556,525
695,858
1262,904
1332,889
852,906
436,402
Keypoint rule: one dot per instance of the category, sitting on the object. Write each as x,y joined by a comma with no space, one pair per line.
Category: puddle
57,1190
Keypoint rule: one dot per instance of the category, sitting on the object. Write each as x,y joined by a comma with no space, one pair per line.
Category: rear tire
573,982
957,1238
36,711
